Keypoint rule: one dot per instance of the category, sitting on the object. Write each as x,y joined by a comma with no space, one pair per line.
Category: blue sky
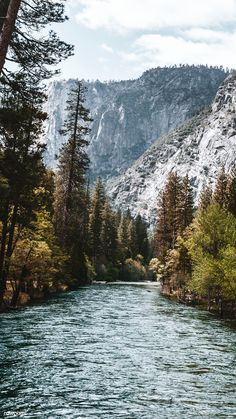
119,39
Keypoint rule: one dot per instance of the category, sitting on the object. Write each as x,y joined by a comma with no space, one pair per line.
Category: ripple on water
116,352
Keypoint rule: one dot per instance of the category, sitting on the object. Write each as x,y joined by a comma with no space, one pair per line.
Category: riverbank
36,295
23,298
223,308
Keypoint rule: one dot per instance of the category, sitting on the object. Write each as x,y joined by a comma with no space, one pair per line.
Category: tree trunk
3,251
8,27
6,251
4,4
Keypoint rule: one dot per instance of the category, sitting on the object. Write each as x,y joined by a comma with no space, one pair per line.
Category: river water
110,351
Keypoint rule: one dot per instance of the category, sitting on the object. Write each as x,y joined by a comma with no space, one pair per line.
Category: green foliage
108,273
212,247
35,47
96,220
71,197
109,238
220,195
175,213
141,238
205,198
36,261
133,270
198,259
231,191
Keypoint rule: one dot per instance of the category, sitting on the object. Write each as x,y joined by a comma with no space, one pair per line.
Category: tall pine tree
95,222
71,191
220,195
205,198
109,234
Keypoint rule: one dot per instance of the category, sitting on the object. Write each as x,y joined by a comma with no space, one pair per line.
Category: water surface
116,352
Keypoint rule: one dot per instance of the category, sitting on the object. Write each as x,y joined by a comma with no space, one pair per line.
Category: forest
57,231
196,247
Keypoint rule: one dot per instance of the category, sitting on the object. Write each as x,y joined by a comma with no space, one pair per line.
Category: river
108,351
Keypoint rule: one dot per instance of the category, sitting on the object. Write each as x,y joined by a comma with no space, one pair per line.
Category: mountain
130,115
198,148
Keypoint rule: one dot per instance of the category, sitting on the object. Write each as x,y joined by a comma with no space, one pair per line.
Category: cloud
128,15
103,60
206,35
192,47
107,48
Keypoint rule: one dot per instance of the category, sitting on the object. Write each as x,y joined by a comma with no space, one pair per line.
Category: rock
206,145
128,116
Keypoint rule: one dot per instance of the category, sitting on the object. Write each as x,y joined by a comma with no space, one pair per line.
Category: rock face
130,115
198,148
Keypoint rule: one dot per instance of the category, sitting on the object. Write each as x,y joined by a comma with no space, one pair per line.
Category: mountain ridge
198,148
129,115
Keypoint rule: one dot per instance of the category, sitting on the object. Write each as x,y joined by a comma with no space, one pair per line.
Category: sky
120,39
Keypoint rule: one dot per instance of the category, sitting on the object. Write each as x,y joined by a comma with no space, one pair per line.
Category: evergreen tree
141,237
95,222
132,239
168,224
205,198
22,170
231,192
162,235
30,46
123,236
212,246
71,193
175,213
109,234
220,195
9,10
186,205
172,191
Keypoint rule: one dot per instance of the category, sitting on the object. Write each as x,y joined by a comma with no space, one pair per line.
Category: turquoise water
116,352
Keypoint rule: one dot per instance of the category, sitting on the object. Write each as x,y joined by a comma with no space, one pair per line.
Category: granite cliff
128,116
199,148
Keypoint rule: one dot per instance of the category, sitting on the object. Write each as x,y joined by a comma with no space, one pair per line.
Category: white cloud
206,35
107,48
155,14
158,50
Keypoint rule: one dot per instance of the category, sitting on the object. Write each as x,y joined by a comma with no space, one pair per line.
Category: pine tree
22,170
205,198
162,234
168,224
175,213
142,237
123,237
71,192
212,247
231,192
95,222
173,204
186,205
220,195
132,238
34,49
109,234
9,10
